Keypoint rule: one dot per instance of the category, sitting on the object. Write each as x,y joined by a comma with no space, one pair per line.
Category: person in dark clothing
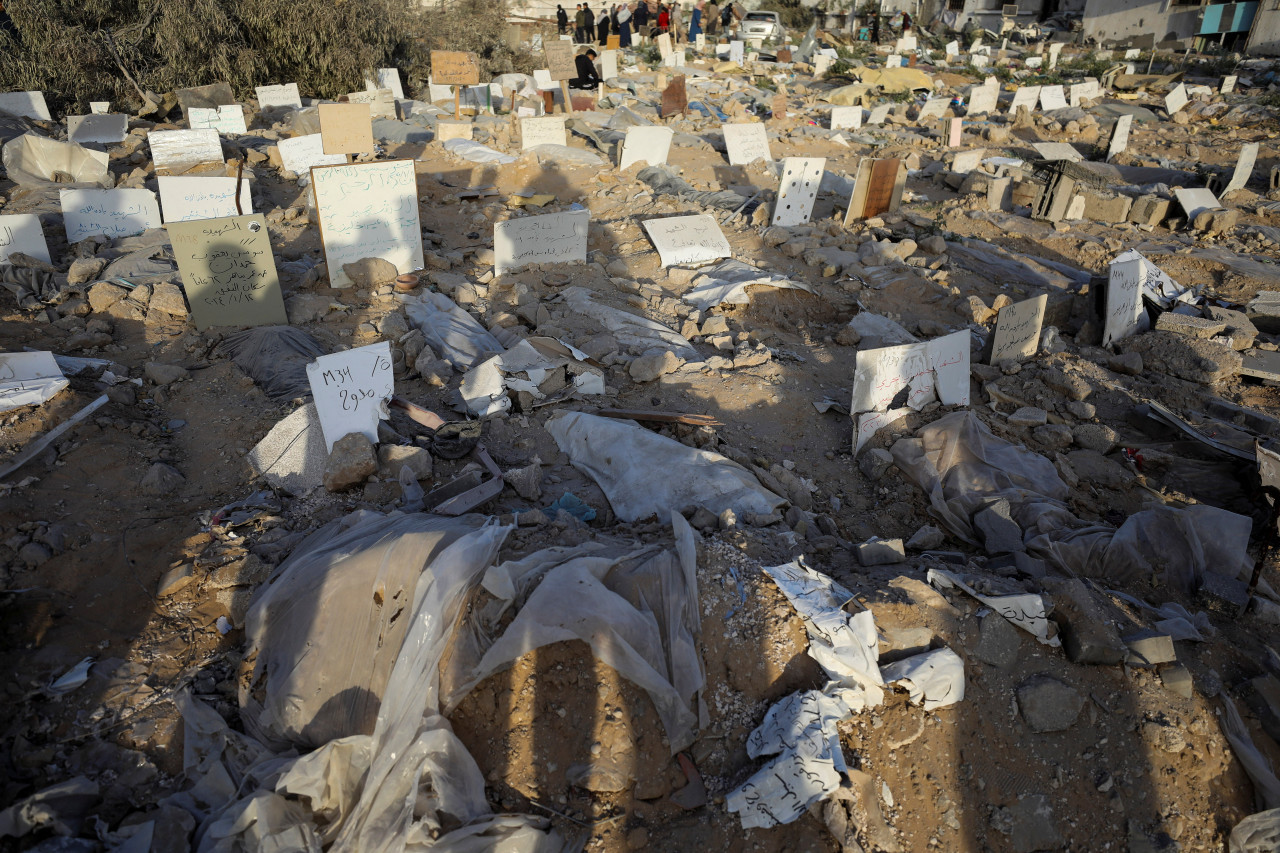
585,23
588,77
602,26
562,20
640,18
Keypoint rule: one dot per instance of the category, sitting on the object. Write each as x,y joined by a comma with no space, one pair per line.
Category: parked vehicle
763,25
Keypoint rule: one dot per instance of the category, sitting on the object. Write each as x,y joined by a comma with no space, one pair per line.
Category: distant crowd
634,22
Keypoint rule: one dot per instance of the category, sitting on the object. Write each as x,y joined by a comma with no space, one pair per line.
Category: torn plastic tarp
276,357
527,366
727,282
1258,833
962,467
60,808
32,159
934,679
29,379
631,330
643,473
475,152
452,333
636,606
31,287
563,154
665,180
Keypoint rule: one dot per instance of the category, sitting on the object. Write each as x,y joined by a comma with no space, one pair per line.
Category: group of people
624,19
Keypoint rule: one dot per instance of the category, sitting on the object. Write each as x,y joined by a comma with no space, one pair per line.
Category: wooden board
346,128
454,68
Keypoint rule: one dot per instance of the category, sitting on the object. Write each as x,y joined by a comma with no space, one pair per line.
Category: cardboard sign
228,271
351,390
97,129
447,129
183,199
1175,100
877,188
1132,53
674,98
21,232
645,145
1196,201
736,51
111,213
300,153
879,114
346,128
778,106
1057,151
182,149
29,379
389,78
544,130
890,381
952,48
933,108
25,104
560,60
1119,136
687,239
843,118
665,49
609,65
283,95
797,190
382,104
983,99
893,60
1244,167
1017,333
1024,96
1228,84
454,68
553,238
613,42
1052,98
821,65
1124,297
228,118
954,132
99,108
368,210
746,143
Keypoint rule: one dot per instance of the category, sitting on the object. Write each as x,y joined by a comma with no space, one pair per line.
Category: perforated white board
797,190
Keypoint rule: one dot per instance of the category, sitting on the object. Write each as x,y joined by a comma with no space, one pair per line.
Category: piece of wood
568,98
675,99
346,128
454,68
877,188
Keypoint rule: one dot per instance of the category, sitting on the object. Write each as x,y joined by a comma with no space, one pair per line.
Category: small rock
927,538
393,326
653,364
1092,467
1073,387
1148,648
704,519
532,518
526,481
370,272
351,462
1097,437
174,580
728,519
998,641
934,245
103,295
1128,363
85,269
880,552
638,838
1047,704
34,554
161,479
164,374
748,356
716,324
436,372
1028,416
1177,680
86,340
1029,824
168,298
1083,411
393,457
875,462
1053,436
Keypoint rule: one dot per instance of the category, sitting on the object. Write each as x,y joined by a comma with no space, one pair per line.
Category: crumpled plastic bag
452,333
32,159
275,357
637,607
643,473
1258,833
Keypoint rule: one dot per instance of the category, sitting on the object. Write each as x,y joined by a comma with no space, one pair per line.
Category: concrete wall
1265,39
1115,20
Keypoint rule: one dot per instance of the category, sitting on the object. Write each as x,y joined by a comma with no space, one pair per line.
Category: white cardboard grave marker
21,232
228,271
953,48
821,65
368,210
1054,50
846,118
25,104
1124,297
283,95
797,190
552,238
1024,96
182,149
646,145
1228,84
351,390
183,198
98,129
665,49
736,51
687,239
300,153
1132,53
1052,98
447,129
966,161
29,379
893,60
879,114
983,99
1175,100
389,78
1057,151
746,143
891,381
99,108
1119,137
1195,201
546,130
933,108
112,213
608,65
1244,167
1017,333
228,118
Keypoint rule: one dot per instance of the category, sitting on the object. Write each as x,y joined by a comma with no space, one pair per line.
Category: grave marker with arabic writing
228,271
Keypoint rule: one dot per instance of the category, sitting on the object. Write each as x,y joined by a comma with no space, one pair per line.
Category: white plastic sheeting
643,473
727,283
31,159
452,333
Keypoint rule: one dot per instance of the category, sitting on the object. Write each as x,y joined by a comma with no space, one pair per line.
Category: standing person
906,23
676,29
695,21
664,18
624,25
726,17
711,20
875,28
602,25
640,19
562,20
583,22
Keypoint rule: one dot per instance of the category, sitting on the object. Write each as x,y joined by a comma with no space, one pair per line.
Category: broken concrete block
1191,327
1260,364
1128,363
164,374
1070,385
1216,220
1054,436
1148,648
880,552
393,457
174,580
653,364
351,462
370,272
168,298
1087,636
1106,207
1205,362
1221,594
1149,210
1028,416
85,269
875,462
995,526
103,295
1097,437
1047,704
998,641
1263,310
926,538
1241,330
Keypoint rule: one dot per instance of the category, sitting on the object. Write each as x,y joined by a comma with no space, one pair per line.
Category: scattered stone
103,295
653,364
1087,636
393,326
85,269
1030,825
875,462
1188,326
1097,437
716,324
934,245
351,462
1053,436
998,641
1047,704
704,519
880,552
728,519
748,356
995,526
370,272
526,481
1028,416
1221,594
174,580
1148,648
1070,385
33,554
1083,411
1128,363
393,457
927,538
436,372
161,479
164,374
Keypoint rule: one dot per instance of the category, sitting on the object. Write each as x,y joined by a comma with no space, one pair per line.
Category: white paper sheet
928,371
185,198
27,104
1026,610
21,232
1119,137
846,118
28,379
283,95
646,145
687,239
1176,100
1052,98
1244,167
368,210
300,153
546,130
1024,96
351,391
112,213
